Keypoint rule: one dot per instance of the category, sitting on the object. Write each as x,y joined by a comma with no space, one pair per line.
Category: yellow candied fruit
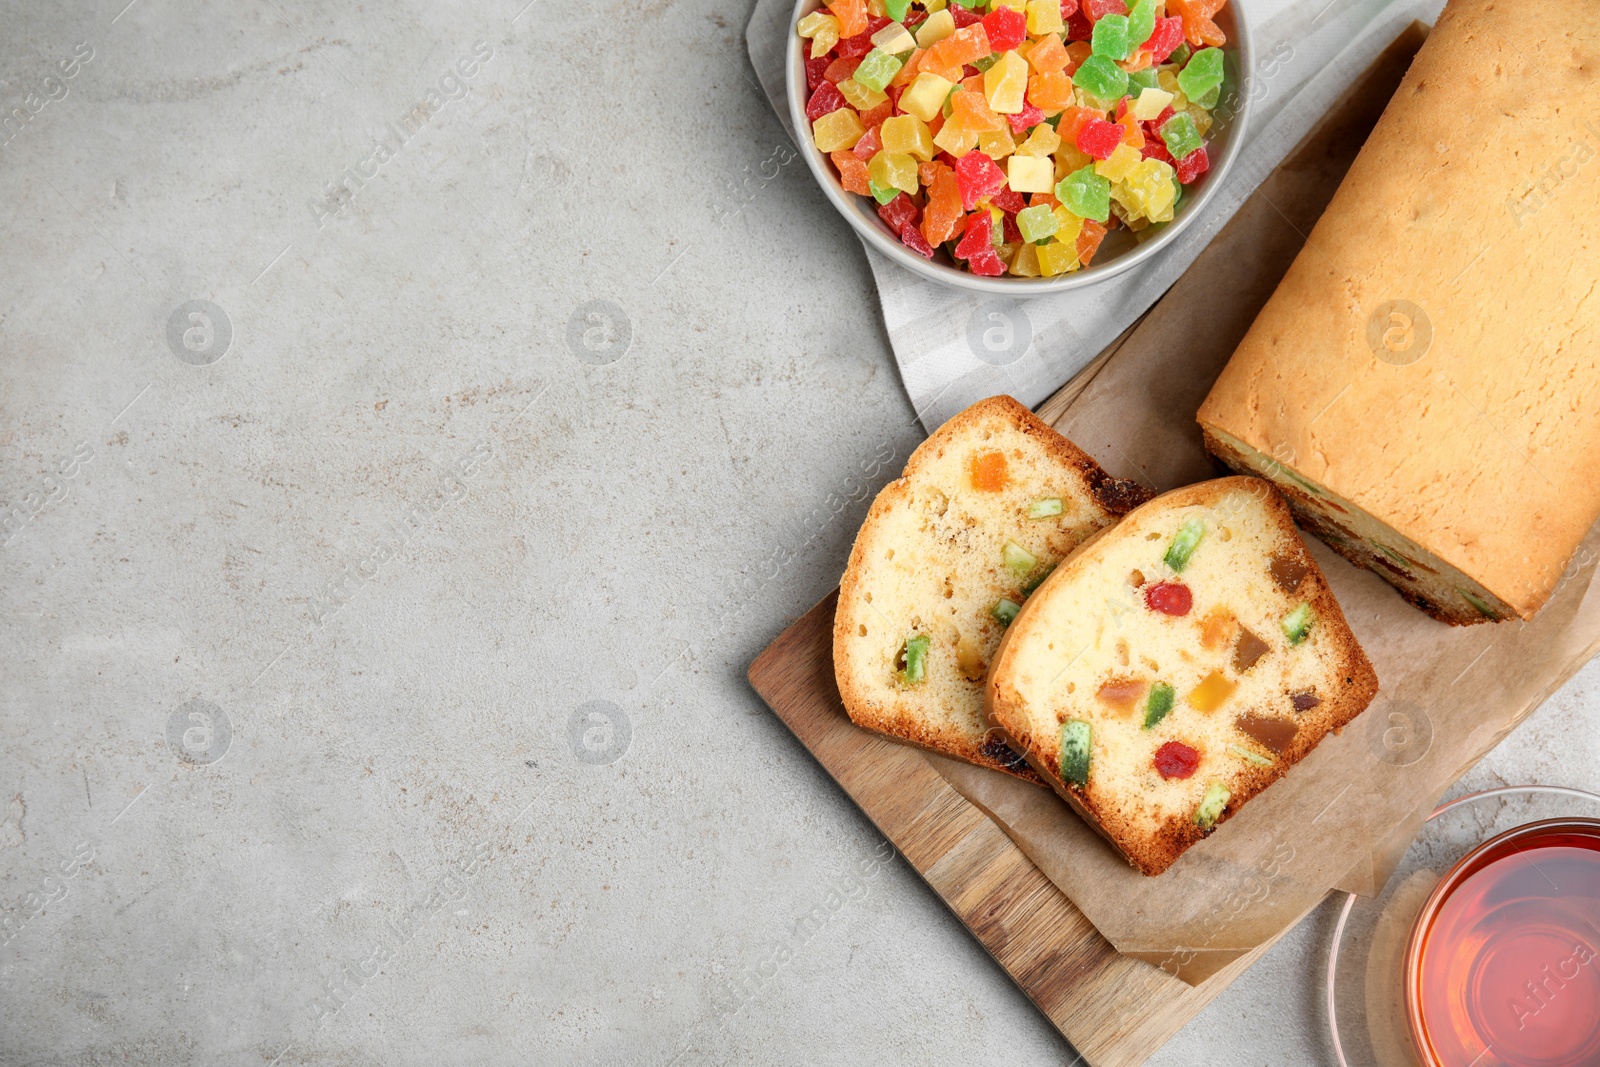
1031,174
1043,141
894,39
1025,264
935,28
1044,16
1015,5
1210,694
859,96
1202,118
935,6
1070,159
837,130
907,135
925,97
1006,84
1122,161
1057,257
1150,104
955,139
893,170
823,31
996,144
1068,225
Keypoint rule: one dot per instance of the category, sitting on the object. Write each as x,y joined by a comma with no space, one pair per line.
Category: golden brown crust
898,722
1466,423
1152,849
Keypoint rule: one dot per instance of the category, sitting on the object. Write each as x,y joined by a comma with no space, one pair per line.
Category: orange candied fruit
987,471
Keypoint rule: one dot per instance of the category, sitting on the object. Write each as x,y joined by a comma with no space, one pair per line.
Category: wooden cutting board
1114,1010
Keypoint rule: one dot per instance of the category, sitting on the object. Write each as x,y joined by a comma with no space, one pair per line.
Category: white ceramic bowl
1120,249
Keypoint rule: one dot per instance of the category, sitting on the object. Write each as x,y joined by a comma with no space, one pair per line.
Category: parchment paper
1344,816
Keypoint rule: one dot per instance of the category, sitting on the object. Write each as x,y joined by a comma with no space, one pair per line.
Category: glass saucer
1366,1002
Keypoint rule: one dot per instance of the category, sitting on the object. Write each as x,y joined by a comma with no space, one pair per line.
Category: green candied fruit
1018,560
1141,23
1158,703
1037,223
916,659
1140,80
1180,134
1100,77
1180,55
983,63
1210,810
1075,737
882,193
968,4
1005,610
1199,76
1037,580
1250,757
896,9
1190,534
1297,624
1110,38
878,69
1482,605
1085,194
1046,507
1209,98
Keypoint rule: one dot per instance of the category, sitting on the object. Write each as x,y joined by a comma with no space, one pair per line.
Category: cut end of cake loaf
1424,579
1177,665
985,508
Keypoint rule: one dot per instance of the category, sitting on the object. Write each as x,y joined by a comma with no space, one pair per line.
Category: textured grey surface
300,754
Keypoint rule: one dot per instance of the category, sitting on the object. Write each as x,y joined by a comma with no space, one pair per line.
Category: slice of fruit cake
947,555
1176,665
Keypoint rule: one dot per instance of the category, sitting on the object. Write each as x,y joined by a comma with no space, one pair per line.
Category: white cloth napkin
955,348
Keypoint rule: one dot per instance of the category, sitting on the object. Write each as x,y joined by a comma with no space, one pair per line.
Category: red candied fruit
814,71
1026,119
977,177
988,263
1069,8
979,236
912,238
1099,138
1099,9
1176,760
1007,28
1008,200
825,100
1164,41
898,212
854,47
1191,166
1079,28
1169,598
1155,149
963,17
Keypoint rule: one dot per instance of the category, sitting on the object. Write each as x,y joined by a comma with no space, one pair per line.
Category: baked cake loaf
1176,665
985,508
1424,382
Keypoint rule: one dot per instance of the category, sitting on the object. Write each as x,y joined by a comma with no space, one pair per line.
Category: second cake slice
1176,665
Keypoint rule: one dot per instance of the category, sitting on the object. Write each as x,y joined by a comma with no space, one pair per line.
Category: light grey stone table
413,419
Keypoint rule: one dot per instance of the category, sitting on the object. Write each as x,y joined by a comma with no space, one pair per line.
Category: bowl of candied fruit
1018,146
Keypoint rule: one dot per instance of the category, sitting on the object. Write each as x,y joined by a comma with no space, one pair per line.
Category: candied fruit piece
1057,257
1214,689
940,25
926,96
908,135
978,177
1007,28
1197,25
1110,38
894,170
988,471
1117,166
852,16
1089,239
1085,194
1037,222
1201,74
1176,760
877,69
1050,92
1168,35
1169,598
1025,119
1101,78
971,111
943,209
852,173
836,130
1044,16
912,238
1150,104
1030,174
978,237
825,100
1048,55
898,212
1191,166
1005,84
1180,135
1099,138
